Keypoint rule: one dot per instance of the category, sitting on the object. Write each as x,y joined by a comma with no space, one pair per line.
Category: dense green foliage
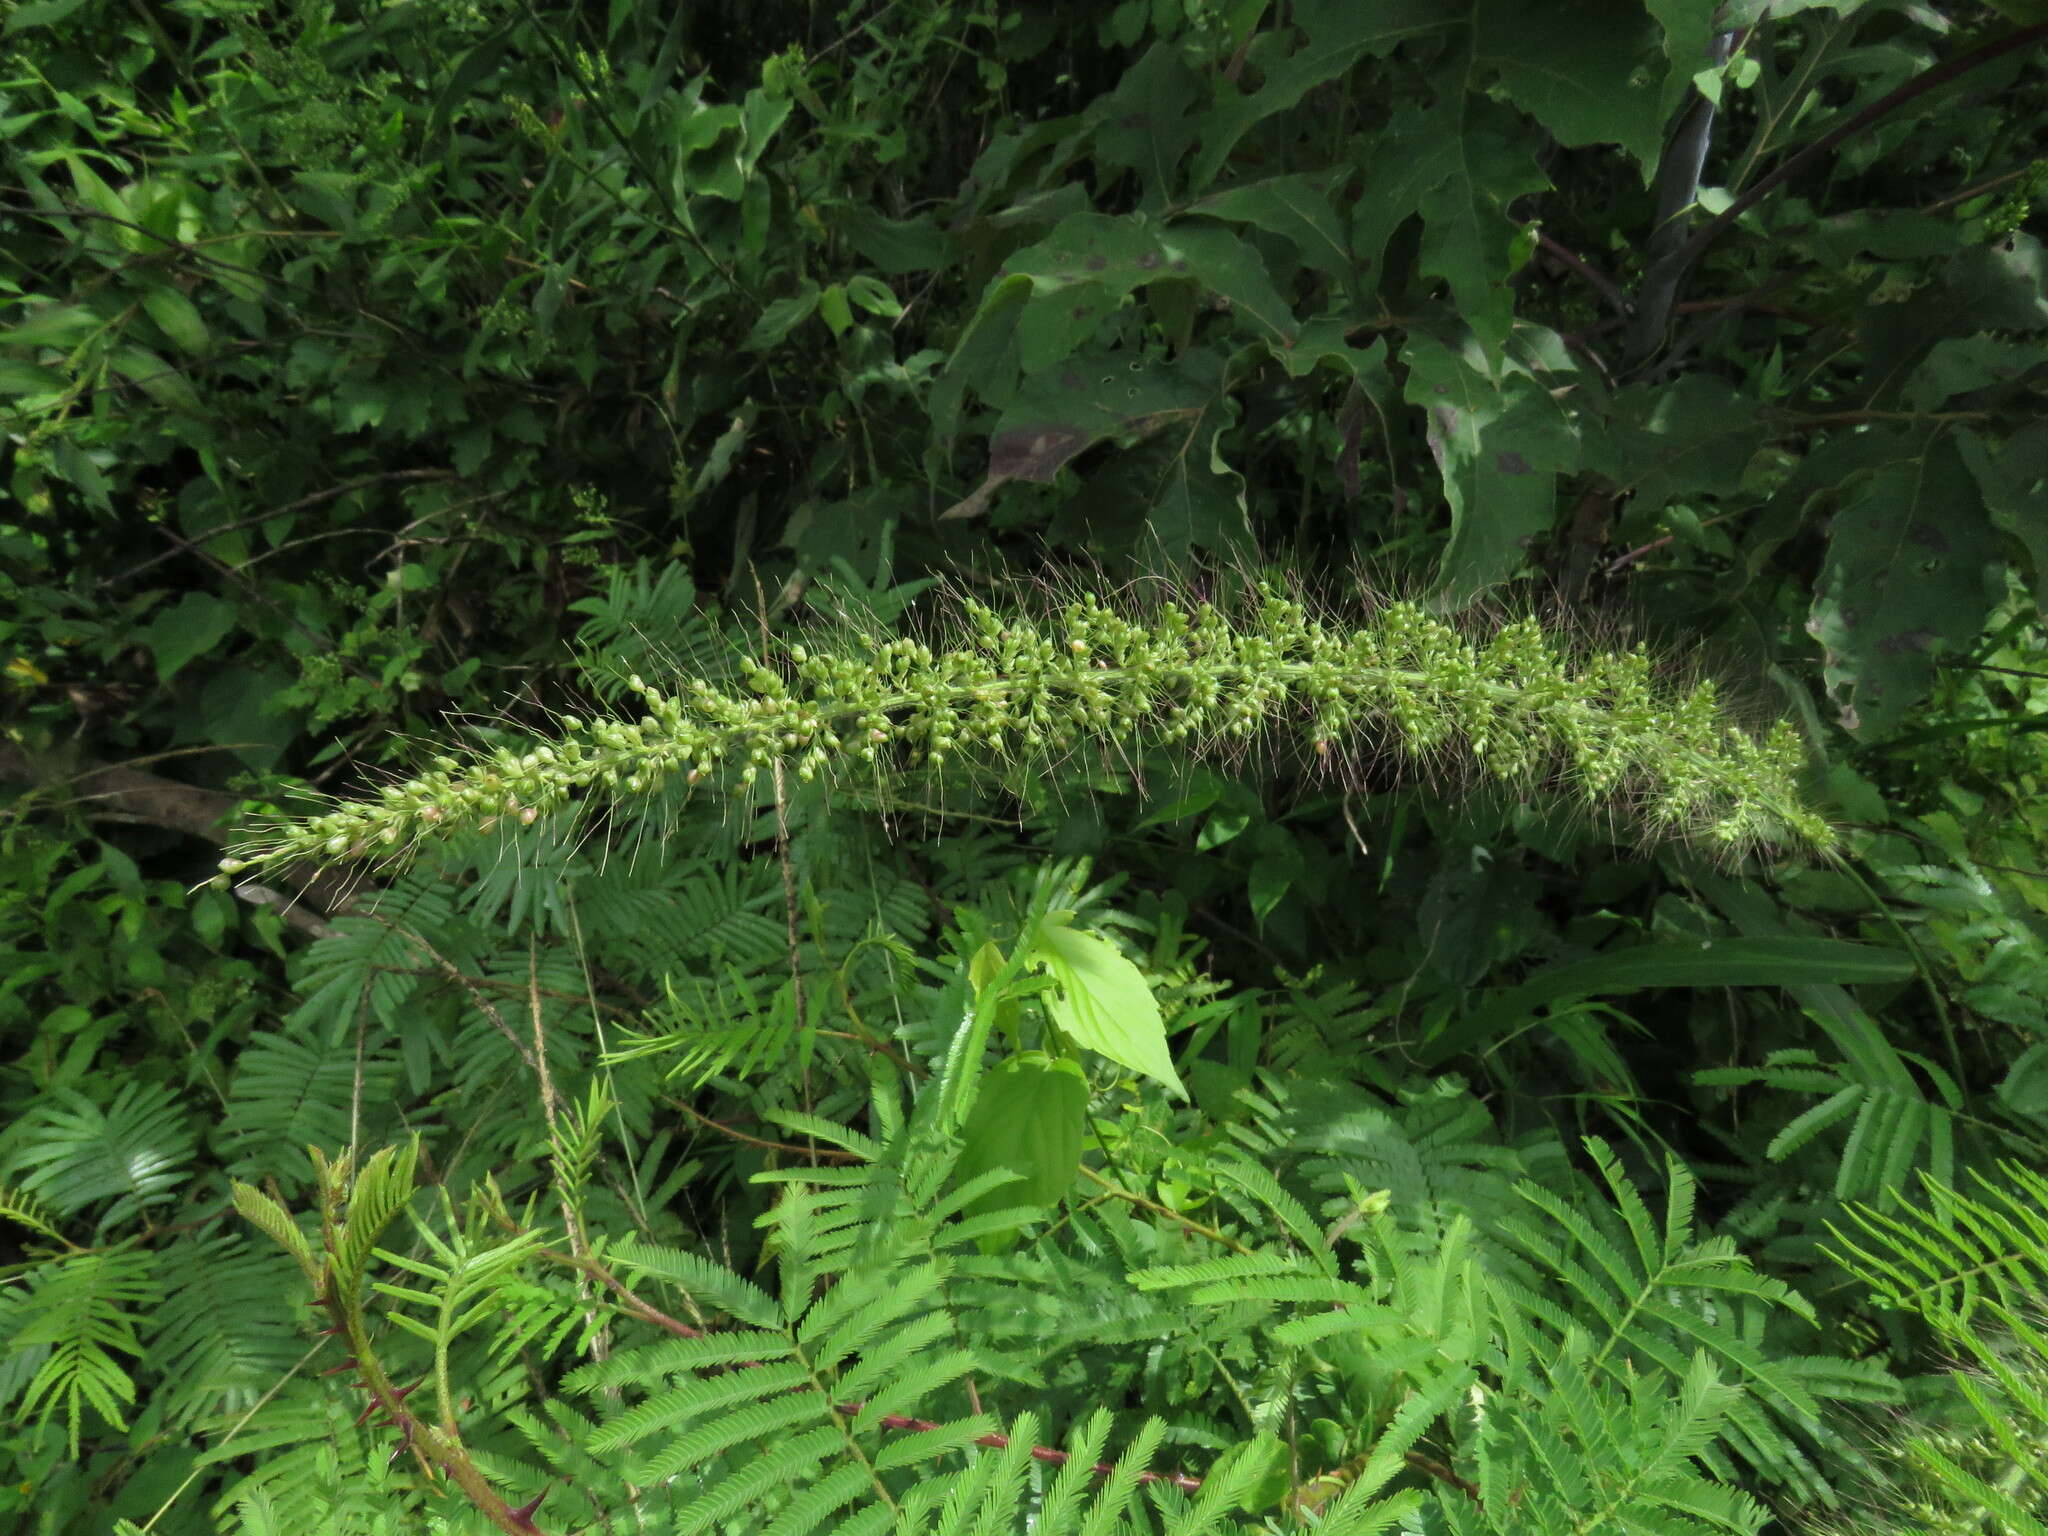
1190,765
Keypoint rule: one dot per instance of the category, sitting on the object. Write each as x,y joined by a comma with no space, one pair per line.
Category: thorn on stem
523,1515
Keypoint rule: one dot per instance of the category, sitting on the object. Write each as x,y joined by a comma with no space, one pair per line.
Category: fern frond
639,603
1975,1268
1257,1182
912,1386
754,1422
1105,1515
789,1464
20,1206
888,1359
698,1396
375,961
1663,1299
730,1025
1953,1254
127,1157
676,1357
376,1194
84,1308
276,1223
702,1281
303,1457
909,1448
226,1331
855,1312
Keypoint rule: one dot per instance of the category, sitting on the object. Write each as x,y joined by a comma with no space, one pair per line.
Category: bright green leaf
1104,1003
51,325
874,296
833,310
39,13
1027,1117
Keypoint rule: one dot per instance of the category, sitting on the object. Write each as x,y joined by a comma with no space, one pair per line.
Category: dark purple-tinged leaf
1964,365
1080,275
2025,1089
1034,453
2003,286
895,246
1325,339
783,316
1336,34
1091,399
1144,124
1231,269
194,626
1905,577
1499,445
155,377
1695,436
1297,209
2013,478
1580,68
1459,164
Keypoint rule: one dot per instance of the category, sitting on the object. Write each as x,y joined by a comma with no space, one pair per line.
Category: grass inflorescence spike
1517,706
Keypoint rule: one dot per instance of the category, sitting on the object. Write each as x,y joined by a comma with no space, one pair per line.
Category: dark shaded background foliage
373,363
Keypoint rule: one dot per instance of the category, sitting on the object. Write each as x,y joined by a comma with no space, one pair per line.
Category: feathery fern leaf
126,1157
293,1088
84,1309
226,1331
1975,1268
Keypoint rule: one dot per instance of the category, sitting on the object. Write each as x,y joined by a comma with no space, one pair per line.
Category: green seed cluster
1514,706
